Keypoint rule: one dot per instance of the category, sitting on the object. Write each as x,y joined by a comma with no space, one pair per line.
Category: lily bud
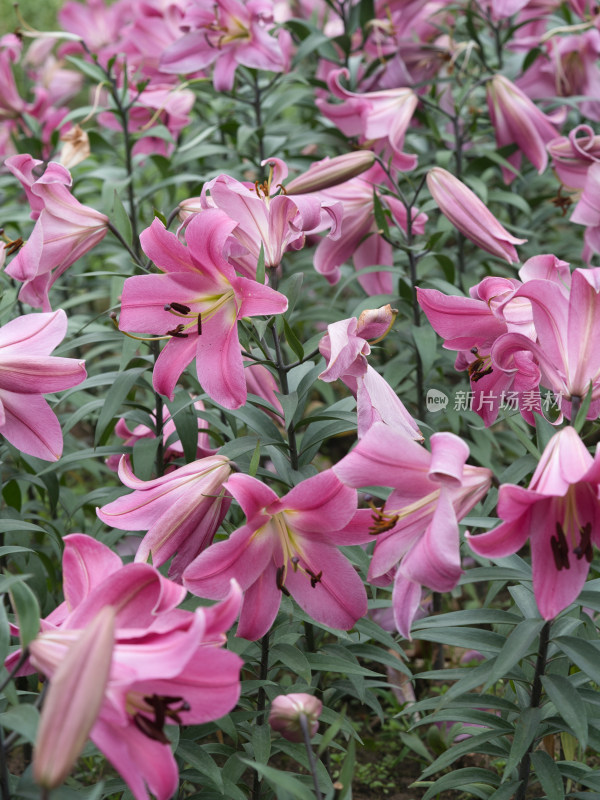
331,172
467,213
287,710
74,697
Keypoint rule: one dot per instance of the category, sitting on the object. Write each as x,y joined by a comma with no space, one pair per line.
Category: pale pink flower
416,531
346,347
517,120
559,513
197,303
168,665
27,372
64,231
73,701
227,33
379,119
470,216
573,155
181,510
286,547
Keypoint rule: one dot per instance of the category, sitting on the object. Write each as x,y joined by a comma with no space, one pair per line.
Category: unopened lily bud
331,172
76,147
75,694
287,710
470,216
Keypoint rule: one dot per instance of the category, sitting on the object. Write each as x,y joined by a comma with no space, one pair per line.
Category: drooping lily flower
196,303
267,220
472,325
287,546
73,700
64,231
559,513
567,330
587,212
472,218
331,172
181,511
346,347
380,119
27,371
517,120
227,33
359,238
168,665
573,155
416,531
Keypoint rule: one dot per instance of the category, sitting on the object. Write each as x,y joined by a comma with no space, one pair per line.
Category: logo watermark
464,400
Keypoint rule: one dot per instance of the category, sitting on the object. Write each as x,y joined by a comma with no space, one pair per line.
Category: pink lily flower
227,33
346,347
73,700
380,119
473,324
264,219
517,120
331,172
168,665
181,511
359,238
472,218
27,371
416,530
568,67
172,450
64,231
587,212
573,155
567,330
284,548
204,301
559,513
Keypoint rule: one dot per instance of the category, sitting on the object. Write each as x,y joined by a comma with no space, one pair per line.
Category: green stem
283,382
536,696
4,778
261,701
311,756
159,424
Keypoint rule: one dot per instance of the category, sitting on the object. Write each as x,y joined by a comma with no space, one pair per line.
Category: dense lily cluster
207,292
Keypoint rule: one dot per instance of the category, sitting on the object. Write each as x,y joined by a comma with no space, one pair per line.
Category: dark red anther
179,307
560,548
280,579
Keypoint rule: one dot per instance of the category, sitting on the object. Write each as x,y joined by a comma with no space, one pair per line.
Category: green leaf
586,655
281,780
261,743
425,339
27,610
115,398
380,215
9,525
293,340
260,266
23,719
347,772
186,424
331,663
144,458
120,219
200,760
463,779
583,411
255,460
517,645
549,775
569,705
93,71
525,732
4,634
293,659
